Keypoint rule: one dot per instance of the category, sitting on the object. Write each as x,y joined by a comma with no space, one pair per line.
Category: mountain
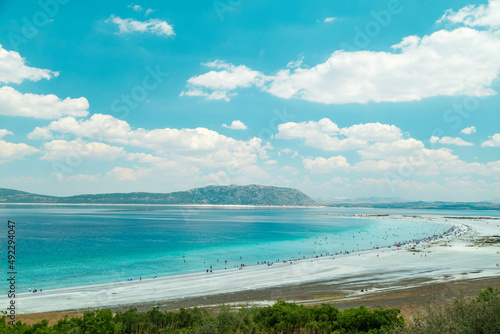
214,195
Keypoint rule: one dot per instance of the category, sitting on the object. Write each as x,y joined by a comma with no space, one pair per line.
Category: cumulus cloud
450,141
419,68
322,165
13,69
381,148
13,151
128,174
236,125
40,133
329,19
153,26
373,132
326,134
5,132
14,103
62,150
493,141
157,162
463,61
409,157
196,146
222,82
469,130
397,148
475,15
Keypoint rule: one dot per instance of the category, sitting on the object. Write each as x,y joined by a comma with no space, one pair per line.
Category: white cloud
271,162
381,148
157,162
469,130
463,61
376,165
326,135
419,68
4,132
193,92
220,95
296,64
221,82
62,150
373,132
76,178
13,69
450,141
149,11
475,16
434,139
14,103
136,8
386,150
409,157
322,165
128,174
195,146
40,133
329,19
493,141
99,127
12,151
236,125
154,26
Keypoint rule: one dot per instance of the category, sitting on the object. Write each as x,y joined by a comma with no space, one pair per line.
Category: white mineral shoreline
449,258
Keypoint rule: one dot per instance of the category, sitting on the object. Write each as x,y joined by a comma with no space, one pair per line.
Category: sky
339,99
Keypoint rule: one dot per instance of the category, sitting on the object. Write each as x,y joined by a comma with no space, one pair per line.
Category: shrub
479,315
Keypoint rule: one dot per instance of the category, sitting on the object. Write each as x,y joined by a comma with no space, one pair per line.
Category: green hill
214,195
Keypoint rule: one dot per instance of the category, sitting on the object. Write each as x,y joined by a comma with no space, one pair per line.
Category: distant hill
420,205
214,195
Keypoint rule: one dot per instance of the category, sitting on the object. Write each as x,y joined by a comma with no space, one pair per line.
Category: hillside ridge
211,195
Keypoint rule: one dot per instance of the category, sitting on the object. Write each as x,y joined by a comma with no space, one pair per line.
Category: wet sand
409,300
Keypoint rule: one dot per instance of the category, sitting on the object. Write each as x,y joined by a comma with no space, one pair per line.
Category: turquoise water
63,246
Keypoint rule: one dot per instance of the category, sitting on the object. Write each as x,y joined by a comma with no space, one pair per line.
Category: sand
469,256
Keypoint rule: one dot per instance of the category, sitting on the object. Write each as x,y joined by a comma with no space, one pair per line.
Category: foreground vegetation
477,315
464,316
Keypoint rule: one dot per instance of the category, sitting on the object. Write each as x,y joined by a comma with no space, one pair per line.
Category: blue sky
340,99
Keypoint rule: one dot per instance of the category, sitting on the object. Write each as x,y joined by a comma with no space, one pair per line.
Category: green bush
480,315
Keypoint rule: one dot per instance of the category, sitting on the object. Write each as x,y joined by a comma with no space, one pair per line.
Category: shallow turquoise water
62,246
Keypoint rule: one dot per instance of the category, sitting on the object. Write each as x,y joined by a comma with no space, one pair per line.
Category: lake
69,245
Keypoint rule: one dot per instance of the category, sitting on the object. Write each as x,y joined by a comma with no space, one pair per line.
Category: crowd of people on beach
322,245
450,233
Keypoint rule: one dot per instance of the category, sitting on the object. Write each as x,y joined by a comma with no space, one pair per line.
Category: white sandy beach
447,259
